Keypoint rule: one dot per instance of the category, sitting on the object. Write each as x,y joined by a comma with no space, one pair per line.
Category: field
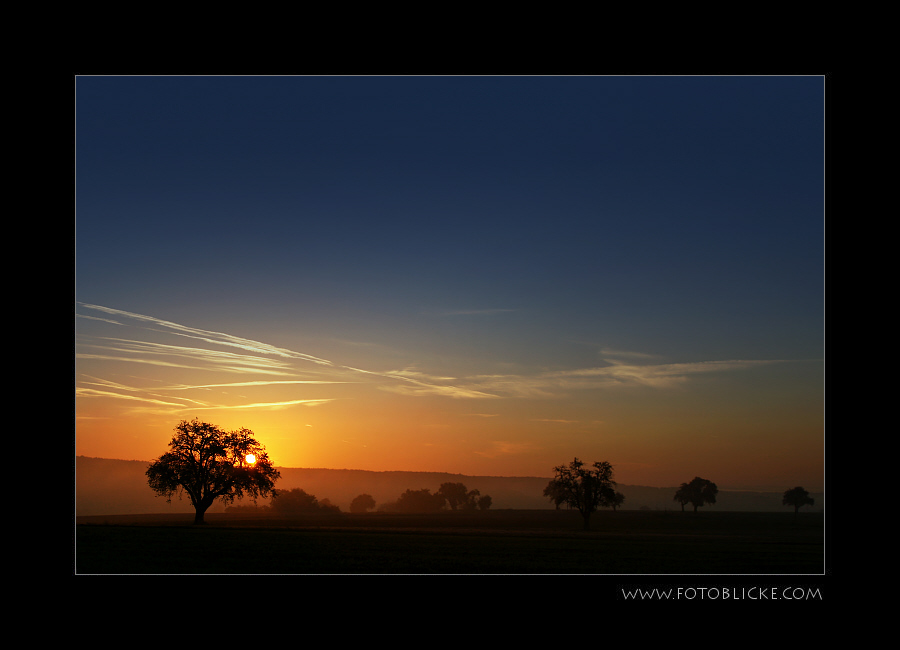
492,542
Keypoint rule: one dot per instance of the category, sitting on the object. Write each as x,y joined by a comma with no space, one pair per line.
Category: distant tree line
291,502
454,496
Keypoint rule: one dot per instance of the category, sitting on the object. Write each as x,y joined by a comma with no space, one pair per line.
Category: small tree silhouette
418,501
616,500
797,497
698,492
454,494
295,501
362,503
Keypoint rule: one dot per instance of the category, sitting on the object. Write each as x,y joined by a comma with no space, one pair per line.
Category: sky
481,275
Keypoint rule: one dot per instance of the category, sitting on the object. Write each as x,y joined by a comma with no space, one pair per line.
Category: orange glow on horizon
729,422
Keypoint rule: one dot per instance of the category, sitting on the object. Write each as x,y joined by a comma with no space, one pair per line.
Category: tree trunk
201,509
202,505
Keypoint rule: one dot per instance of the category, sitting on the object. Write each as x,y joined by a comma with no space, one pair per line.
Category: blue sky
463,228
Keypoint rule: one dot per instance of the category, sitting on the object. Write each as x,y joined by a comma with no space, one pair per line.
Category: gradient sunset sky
480,275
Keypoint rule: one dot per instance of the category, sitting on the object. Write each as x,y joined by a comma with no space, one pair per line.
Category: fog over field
109,487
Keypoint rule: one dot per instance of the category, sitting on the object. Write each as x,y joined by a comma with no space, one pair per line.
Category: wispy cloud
152,362
615,375
218,338
228,361
500,448
268,405
93,392
419,383
102,320
467,312
132,393
251,357
609,353
622,369
251,383
419,390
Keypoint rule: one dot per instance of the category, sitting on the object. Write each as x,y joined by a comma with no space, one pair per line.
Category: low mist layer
110,487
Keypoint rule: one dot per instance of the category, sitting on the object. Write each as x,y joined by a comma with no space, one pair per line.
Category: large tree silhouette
698,492
583,488
208,463
797,497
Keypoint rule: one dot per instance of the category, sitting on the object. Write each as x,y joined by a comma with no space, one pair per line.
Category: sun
251,459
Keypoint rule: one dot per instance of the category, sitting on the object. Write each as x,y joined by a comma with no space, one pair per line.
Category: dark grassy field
491,542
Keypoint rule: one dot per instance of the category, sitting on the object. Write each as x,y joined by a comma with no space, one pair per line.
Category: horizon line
772,489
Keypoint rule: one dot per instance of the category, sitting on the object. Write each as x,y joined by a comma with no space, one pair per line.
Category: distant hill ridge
106,486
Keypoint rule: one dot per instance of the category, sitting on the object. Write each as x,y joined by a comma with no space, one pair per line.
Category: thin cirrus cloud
93,392
208,336
226,361
615,375
253,383
472,312
246,356
125,392
255,358
269,405
499,448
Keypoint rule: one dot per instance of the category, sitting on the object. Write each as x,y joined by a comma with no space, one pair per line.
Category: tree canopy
455,494
617,499
586,489
420,501
297,501
555,493
458,496
362,503
698,492
208,463
797,497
